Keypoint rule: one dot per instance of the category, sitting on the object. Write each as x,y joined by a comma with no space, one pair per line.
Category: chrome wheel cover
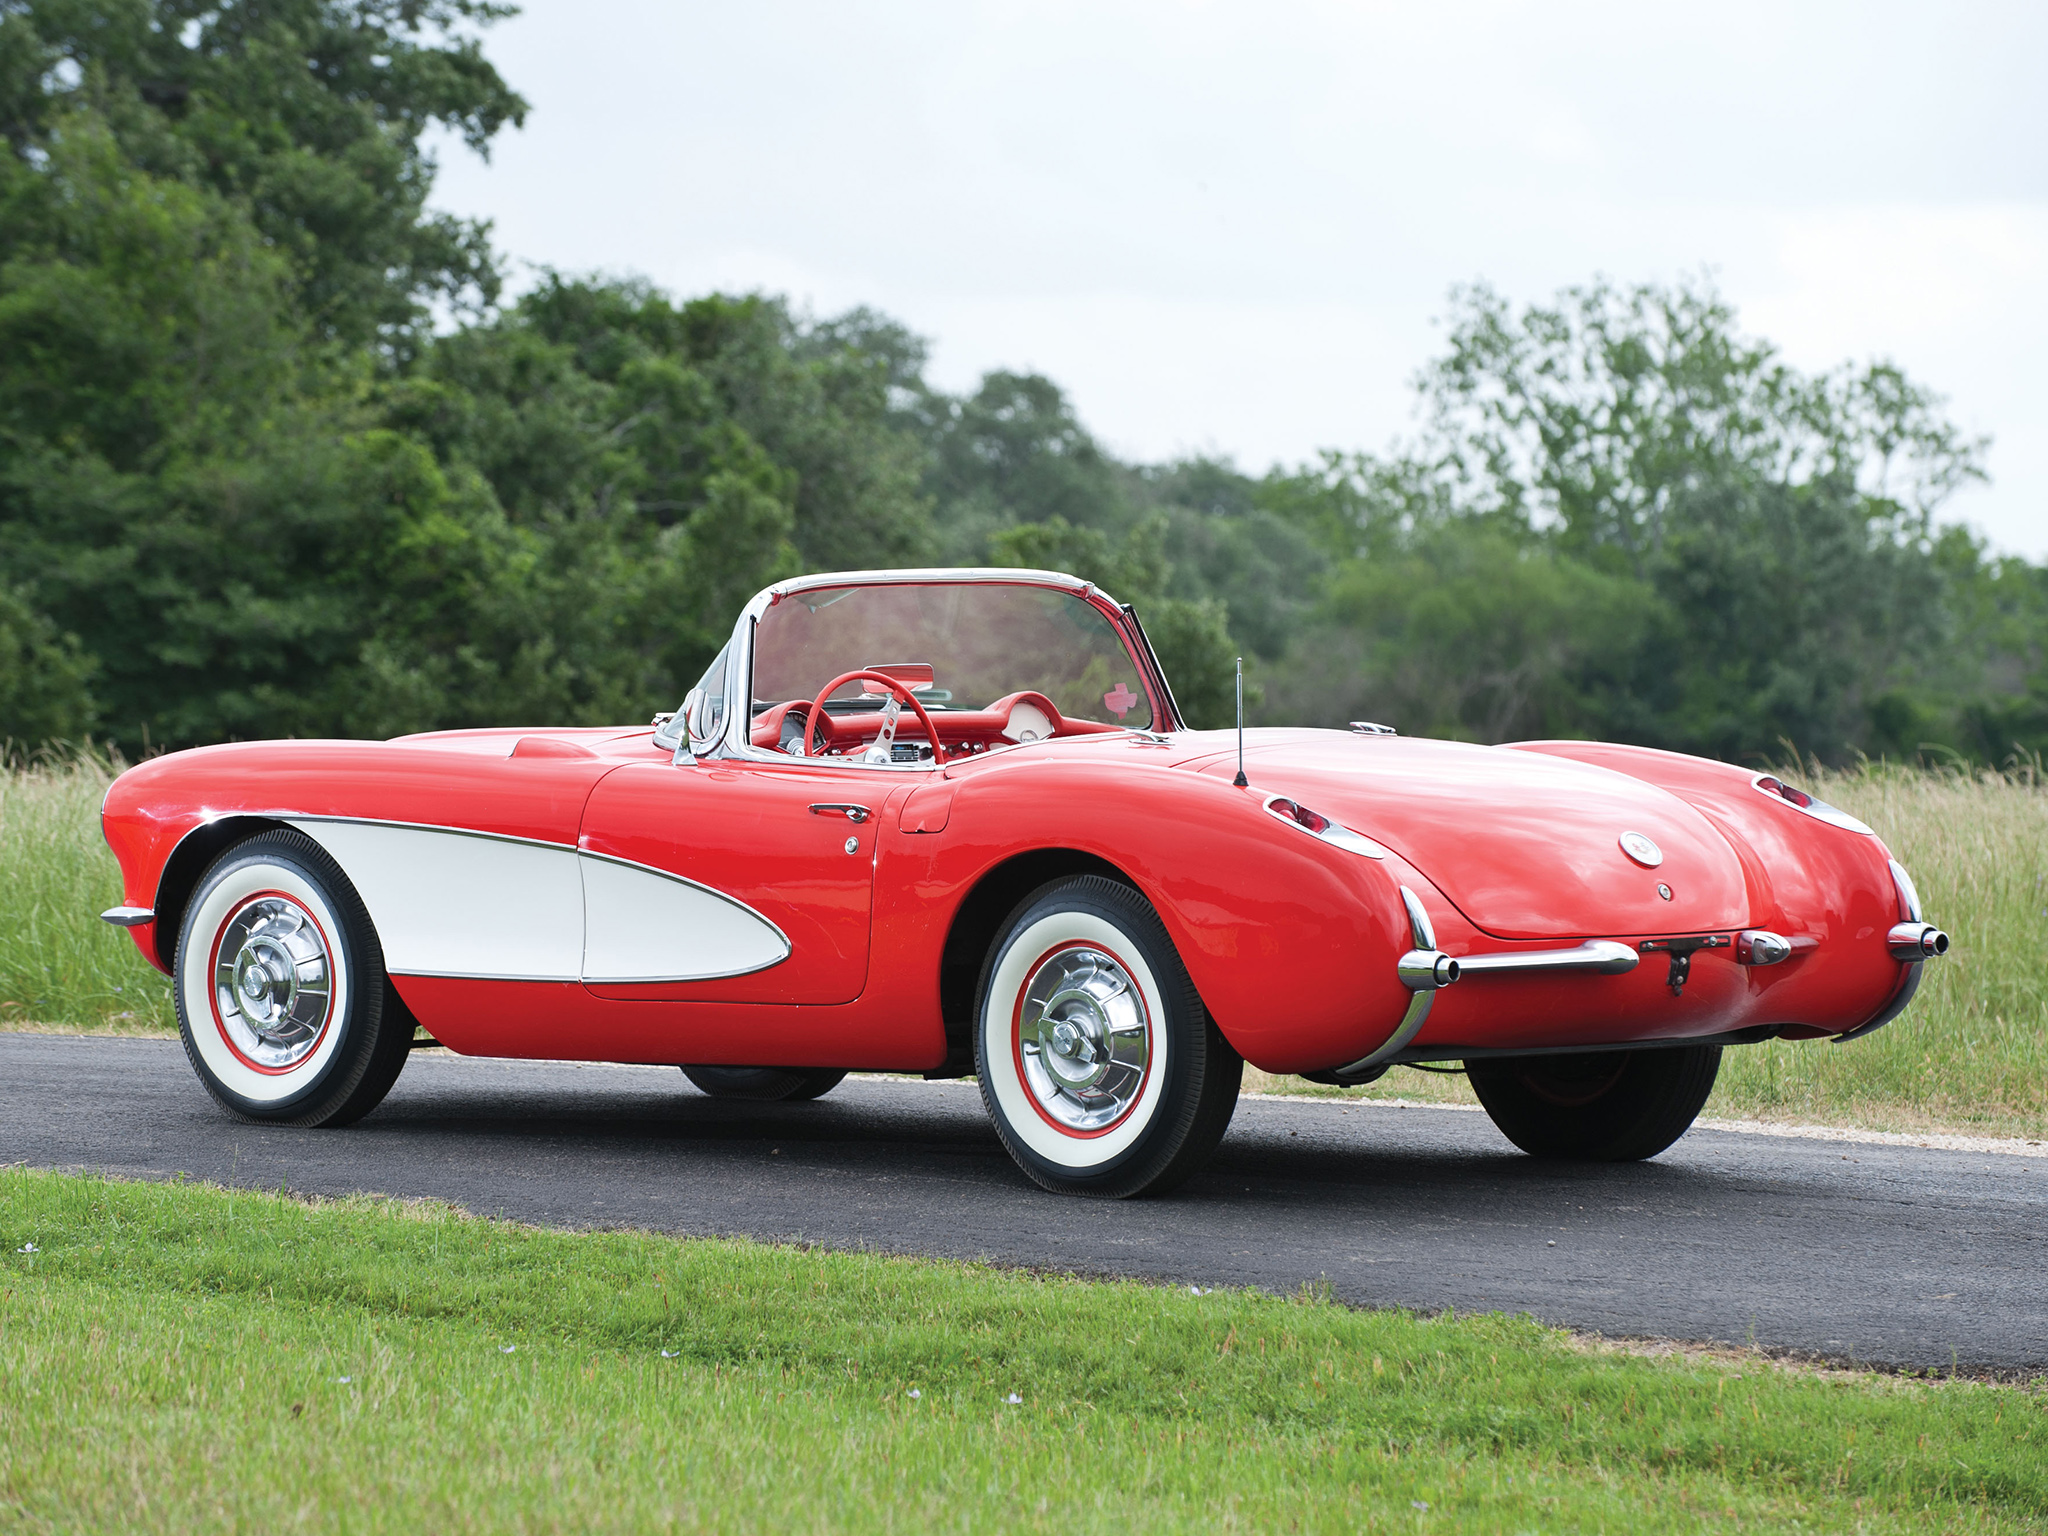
272,982
1083,1039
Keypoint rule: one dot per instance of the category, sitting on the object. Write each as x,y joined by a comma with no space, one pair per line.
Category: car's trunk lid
1526,846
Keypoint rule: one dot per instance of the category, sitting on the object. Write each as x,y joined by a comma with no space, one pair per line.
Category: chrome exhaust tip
1916,941
1427,970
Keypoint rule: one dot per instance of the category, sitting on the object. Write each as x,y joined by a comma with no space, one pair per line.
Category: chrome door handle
853,813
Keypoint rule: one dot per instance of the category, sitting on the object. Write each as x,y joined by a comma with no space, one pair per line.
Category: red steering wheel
894,685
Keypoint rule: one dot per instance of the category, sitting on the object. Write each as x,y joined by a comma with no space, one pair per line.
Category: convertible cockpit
905,673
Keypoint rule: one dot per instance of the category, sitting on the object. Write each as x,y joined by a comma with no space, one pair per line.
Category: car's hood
1526,846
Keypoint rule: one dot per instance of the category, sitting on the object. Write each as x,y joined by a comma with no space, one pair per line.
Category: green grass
173,1358
1971,1054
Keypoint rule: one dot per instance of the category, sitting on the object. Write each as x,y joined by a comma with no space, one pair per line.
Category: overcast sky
1230,228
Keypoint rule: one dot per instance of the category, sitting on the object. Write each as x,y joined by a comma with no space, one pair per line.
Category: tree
305,114
1763,540
44,679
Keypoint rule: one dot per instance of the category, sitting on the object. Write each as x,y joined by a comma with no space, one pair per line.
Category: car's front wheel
1601,1106
1100,1067
282,1000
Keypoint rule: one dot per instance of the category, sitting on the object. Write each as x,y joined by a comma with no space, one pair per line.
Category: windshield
983,641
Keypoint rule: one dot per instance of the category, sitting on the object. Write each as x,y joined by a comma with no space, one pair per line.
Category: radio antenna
1240,781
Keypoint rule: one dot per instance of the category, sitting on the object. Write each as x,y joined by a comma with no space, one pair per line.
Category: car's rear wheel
786,1084
283,1004
1604,1106
1100,1067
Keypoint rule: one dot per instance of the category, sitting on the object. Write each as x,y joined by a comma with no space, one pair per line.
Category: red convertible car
951,822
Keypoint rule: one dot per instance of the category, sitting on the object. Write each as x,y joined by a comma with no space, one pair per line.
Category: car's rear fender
1290,941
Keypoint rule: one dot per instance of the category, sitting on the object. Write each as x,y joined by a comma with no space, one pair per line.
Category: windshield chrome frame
739,654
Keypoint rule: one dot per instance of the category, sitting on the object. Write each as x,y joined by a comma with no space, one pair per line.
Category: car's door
733,879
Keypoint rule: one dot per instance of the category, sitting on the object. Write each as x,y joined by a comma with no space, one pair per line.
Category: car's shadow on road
1295,1154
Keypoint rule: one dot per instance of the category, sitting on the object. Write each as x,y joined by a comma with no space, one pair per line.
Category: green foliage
184,1358
246,489
1462,632
1625,519
45,678
305,115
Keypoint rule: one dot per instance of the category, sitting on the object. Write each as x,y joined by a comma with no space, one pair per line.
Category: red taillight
1300,815
1784,791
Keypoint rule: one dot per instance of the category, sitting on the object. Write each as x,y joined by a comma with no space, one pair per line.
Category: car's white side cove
454,903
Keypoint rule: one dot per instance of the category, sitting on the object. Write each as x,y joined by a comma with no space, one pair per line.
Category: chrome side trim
578,861
295,817
1890,1010
1411,1026
1909,893
1922,936
128,917
1602,955
1423,970
1418,920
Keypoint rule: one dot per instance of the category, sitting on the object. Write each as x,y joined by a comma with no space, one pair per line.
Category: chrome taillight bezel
1773,788
1292,813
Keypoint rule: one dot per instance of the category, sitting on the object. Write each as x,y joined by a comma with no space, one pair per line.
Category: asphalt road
1890,1255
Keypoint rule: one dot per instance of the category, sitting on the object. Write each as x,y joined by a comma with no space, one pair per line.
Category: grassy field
176,1358
1972,1054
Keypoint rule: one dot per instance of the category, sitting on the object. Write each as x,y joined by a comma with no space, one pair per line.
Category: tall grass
59,964
1971,1053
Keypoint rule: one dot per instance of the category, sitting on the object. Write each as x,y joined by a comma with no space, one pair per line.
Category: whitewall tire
283,1004
1102,1071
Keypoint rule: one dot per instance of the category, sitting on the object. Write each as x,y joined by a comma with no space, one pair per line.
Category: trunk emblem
1641,849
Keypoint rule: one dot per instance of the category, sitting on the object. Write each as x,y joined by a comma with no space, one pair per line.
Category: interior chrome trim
1603,955
128,917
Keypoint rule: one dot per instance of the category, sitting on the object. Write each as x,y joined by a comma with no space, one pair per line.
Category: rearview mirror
917,676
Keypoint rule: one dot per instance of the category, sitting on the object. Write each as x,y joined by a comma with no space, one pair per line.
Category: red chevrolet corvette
951,822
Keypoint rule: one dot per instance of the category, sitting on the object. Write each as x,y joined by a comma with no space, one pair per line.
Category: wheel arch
193,856
991,899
